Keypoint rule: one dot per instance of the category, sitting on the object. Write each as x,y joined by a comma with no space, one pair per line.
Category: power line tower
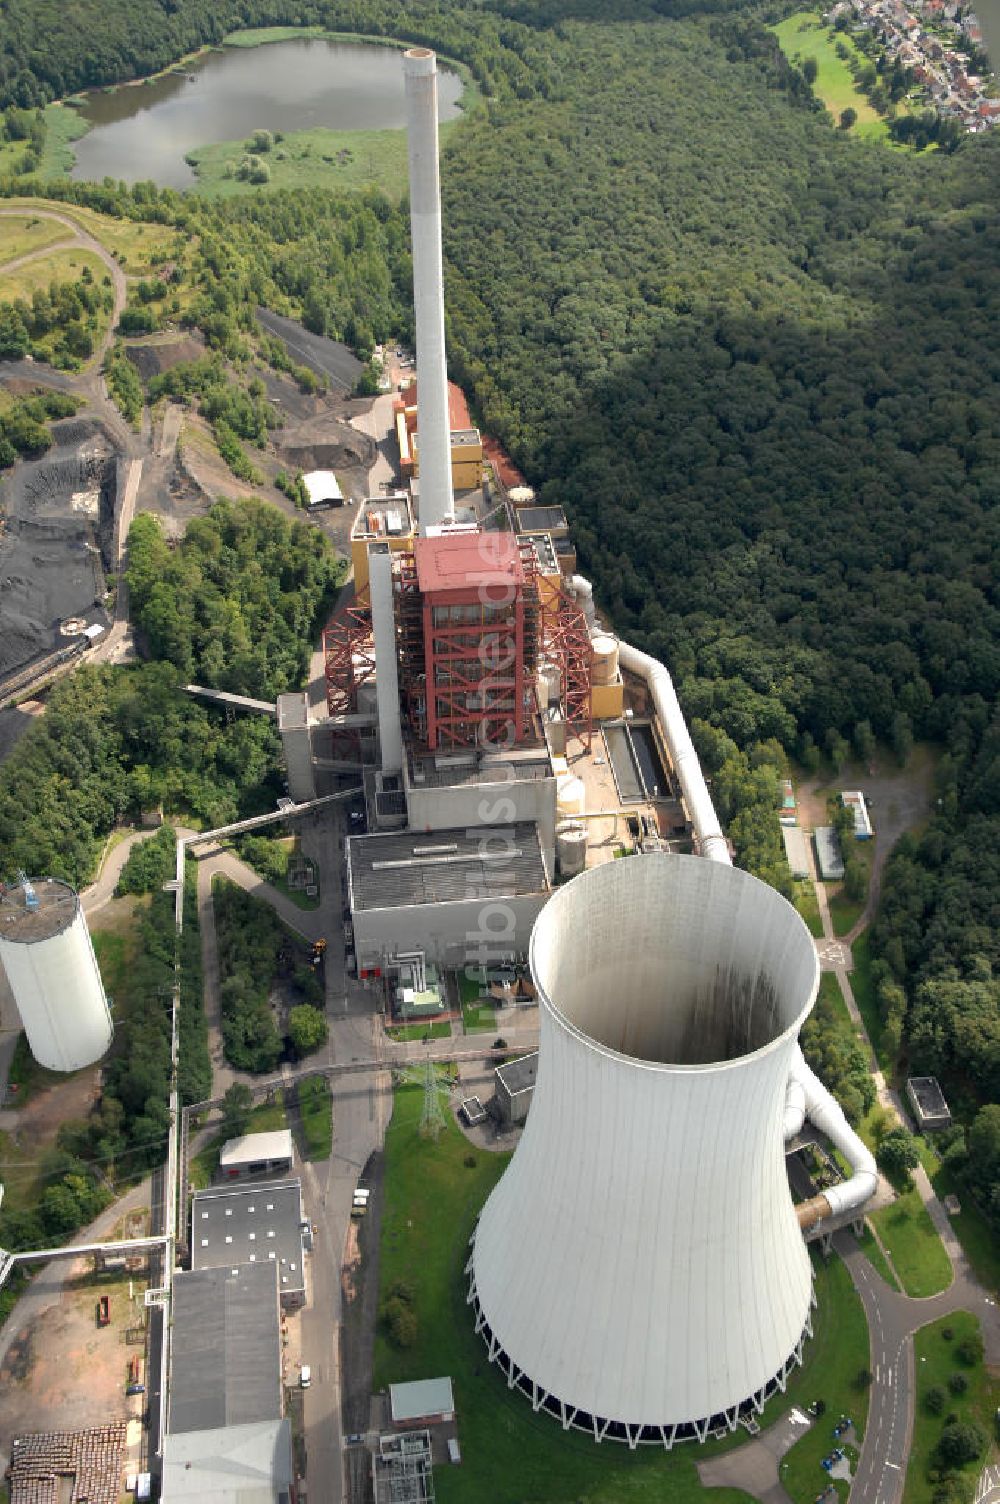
432,1115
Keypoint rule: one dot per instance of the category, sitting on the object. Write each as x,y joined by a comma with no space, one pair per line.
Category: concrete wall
449,934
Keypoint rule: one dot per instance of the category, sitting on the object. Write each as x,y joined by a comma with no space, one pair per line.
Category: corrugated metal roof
420,1398
831,863
226,1348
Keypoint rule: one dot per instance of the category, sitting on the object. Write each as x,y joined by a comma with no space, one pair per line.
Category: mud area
56,529
324,443
64,1370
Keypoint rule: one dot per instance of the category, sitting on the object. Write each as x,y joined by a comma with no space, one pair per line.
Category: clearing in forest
804,35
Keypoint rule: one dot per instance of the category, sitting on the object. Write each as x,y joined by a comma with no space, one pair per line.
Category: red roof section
458,409
466,561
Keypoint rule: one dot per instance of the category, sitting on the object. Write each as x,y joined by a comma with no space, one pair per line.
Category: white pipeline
806,1095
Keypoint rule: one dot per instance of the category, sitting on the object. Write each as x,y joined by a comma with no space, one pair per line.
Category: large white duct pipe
390,733
433,425
806,1094
639,1270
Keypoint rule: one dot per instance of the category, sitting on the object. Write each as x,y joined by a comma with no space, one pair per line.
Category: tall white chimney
433,427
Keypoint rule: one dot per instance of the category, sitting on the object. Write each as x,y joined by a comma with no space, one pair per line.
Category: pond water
143,131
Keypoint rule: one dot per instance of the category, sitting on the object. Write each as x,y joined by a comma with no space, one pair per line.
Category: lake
988,12
144,130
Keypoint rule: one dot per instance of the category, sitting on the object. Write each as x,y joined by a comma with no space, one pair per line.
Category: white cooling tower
639,1270
53,973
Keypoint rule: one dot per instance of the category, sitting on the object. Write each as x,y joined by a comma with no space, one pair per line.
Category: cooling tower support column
433,425
390,733
639,1270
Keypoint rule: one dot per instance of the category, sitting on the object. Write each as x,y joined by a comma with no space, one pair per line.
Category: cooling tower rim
780,1042
58,906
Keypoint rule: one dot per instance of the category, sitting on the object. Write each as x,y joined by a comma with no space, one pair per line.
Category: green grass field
56,266
916,1251
132,244
873,1253
258,36
22,237
864,995
432,1197
804,35
971,1228
433,1029
808,907
318,158
936,1361
316,1117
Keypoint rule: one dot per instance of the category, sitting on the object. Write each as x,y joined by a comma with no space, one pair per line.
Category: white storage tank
521,496
549,672
46,952
570,796
571,848
604,660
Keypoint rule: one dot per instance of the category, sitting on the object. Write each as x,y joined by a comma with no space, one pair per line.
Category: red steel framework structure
474,618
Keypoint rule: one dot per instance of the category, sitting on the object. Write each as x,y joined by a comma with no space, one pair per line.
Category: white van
305,1376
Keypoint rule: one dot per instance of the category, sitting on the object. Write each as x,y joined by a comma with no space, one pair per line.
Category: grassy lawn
63,126
844,912
258,36
837,1353
21,237
864,995
316,158
432,1196
873,1253
804,35
316,1117
59,266
936,1362
434,1029
916,1250
970,1227
266,1118
478,1020
132,244
808,907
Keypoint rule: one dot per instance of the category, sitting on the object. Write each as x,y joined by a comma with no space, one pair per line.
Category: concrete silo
639,1270
46,952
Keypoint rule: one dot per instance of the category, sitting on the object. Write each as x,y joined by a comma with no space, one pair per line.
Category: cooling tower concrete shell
54,976
639,1270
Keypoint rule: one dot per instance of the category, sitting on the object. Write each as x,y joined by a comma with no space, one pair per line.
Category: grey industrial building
796,850
225,1361
828,853
928,1102
246,1464
257,1154
445,892
252,1224
515,1087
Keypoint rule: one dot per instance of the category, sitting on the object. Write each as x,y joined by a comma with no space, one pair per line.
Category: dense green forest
239,602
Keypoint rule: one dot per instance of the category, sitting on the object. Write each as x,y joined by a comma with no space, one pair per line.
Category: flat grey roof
421,1397
249,1464
519,1075
293,710
541,519
927,1092
253,1147
831,863
430,770
796,850
226,1348
404,868
250,1224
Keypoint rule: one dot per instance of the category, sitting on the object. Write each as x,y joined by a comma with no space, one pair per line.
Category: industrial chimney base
635,1434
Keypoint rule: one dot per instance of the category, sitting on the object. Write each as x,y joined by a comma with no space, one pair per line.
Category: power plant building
46,951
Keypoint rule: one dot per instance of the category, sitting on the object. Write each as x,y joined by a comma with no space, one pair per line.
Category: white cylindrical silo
46,952
571,848
639,1269
604,658
433,424
571,796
